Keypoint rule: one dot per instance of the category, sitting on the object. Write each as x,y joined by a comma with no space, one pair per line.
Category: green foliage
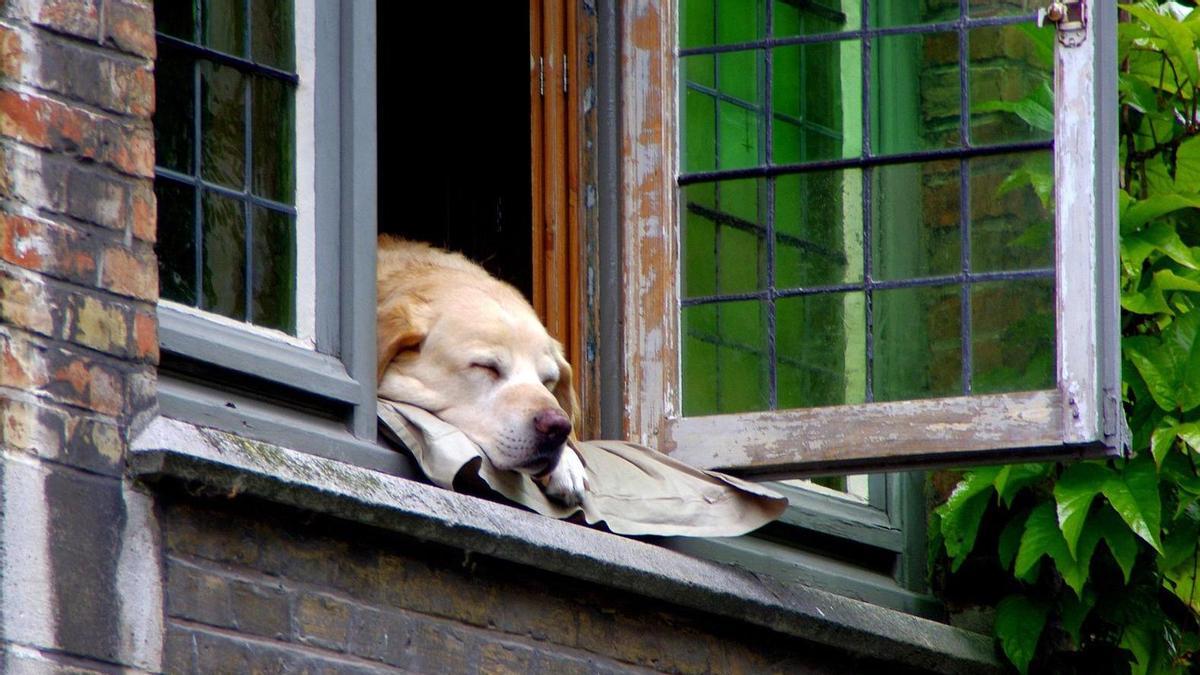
1093,565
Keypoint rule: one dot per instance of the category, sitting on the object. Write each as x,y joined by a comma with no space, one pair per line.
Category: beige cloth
630,488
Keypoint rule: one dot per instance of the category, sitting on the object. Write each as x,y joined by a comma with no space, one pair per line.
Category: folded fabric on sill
631,489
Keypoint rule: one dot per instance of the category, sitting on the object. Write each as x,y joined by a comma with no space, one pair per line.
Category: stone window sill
176,450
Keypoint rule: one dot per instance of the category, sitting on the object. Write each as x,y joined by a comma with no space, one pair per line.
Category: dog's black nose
552,426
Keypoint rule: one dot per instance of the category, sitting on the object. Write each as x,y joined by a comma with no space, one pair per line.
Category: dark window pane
176,245
724,237
176,19
818,231
725,356
273,39
1012,336
224,26
915,229
1012,221
821,347
274,255
224,258
174,121
1012,76
273,132
222,125
915,93
917,343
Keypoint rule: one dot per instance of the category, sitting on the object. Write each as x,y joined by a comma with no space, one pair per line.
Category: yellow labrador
470,349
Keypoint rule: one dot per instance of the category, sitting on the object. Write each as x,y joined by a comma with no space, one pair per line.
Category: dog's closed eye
491,368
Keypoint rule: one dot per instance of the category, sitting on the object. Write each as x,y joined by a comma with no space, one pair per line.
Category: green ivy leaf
1190,433
1010,540
1031,109
1164,237
1134,495
1019,624
1169,281
1149,300
963,511
1118,538
1012,477
1157,367
1073,493
1155,206
1187,164
1163,439
1180,44
1180,579
1074,612
1041,538
1182,339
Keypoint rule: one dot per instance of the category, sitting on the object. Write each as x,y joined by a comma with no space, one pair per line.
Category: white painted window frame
1080,416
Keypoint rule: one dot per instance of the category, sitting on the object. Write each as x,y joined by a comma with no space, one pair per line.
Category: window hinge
541,76
1071,19
564,67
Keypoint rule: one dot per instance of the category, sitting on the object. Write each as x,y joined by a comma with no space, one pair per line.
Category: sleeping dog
469,348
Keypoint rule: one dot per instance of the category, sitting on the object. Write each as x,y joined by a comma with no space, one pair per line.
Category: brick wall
253,587
78,342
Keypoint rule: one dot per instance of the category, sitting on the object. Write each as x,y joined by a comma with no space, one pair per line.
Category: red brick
25,118
130,26
130,273
61,375
73,17
145,212
45,246
12,55
24,304
145,336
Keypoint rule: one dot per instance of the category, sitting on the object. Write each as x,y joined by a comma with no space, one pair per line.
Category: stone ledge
225,462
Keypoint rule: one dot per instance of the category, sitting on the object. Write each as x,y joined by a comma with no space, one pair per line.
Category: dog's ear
564,390
400,325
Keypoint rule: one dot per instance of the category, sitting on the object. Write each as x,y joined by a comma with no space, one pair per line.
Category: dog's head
471,350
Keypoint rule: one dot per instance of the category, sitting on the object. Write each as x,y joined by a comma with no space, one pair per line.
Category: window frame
339,373
1081,416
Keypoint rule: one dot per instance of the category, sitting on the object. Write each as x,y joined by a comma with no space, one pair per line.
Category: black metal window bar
867,161
172,46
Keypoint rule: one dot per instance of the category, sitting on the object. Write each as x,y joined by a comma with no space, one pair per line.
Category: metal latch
1071,19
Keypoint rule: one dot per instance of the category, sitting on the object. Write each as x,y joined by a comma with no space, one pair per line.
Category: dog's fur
470,349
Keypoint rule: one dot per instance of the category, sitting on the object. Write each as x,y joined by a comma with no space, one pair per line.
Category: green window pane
821,355
812,18
1012,221
1004,7
890,14
917,338
1011,74
224,256
739,20
915,93
725,356
724,237
176,244
272,41
222,119
699,123
273,131
1012,336
697,27
807,127
177,19
915,227
224,26
818,229
174,121
274,282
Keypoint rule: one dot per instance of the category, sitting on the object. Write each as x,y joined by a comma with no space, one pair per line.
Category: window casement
265,135
897,135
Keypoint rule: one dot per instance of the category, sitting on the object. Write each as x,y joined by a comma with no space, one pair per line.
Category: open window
842,254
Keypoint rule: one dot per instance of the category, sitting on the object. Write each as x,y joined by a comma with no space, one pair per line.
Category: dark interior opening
454,134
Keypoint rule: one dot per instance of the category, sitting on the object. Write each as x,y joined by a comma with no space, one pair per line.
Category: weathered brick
502,658
80,18
130,272
61,375
25,303
322,620
193,531
179,650
42,430
144,216
46,246
103,326
95,198
198,595
379,635
261,610
225,654
438,648
145,336
30,177
12,52
130,26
